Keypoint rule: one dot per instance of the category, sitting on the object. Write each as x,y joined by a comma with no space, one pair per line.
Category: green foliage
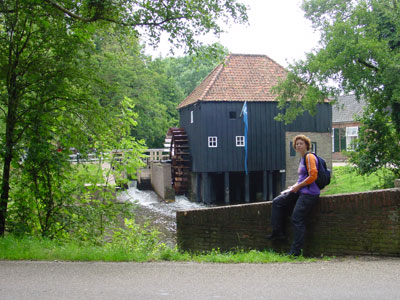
183,20
157,111
135,238
358,53
125,72
377,146
304,94
45,97
54,82
156,87
188,71
245,256
81,206
48,196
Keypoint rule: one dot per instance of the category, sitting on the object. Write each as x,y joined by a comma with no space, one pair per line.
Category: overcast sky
277,29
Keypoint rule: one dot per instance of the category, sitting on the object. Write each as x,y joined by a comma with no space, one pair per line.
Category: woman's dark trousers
299,206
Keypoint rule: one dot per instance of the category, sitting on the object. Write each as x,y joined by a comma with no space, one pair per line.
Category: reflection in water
159,213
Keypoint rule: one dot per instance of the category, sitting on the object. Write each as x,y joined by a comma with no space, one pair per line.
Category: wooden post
265,186
226,183
205,188
199,195
247,188
270,188
283,179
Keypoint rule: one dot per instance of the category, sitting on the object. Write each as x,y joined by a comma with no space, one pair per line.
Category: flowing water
159,213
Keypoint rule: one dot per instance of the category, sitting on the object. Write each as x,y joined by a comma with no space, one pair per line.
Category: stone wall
144,179
324,149
161,180
348,224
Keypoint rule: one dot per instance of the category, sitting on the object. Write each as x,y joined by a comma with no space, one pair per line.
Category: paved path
339,279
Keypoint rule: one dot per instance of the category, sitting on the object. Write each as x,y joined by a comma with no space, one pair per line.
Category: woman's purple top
311,189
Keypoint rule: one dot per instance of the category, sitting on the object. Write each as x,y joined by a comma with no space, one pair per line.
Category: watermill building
217,159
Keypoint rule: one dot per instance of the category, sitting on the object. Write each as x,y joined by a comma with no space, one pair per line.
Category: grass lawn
346,180
30,248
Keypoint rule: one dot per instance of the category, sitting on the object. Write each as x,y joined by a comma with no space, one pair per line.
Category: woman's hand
295,188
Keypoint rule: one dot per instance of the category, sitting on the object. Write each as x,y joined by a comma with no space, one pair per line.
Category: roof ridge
262,55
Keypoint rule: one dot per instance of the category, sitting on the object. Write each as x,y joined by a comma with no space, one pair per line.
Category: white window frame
191,117
352,131
351,134
240,141
314,147
212,142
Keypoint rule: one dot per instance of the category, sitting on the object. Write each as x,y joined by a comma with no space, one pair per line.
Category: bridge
153,159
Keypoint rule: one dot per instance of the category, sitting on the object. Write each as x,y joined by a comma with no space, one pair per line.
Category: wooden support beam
270,187
199,195
283,180
205,188
226,183
265,186
247,188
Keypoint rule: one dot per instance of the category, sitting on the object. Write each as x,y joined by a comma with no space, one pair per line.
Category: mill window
212,142
240,141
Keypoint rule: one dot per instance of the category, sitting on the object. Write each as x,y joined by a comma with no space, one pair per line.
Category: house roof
241,77
346,108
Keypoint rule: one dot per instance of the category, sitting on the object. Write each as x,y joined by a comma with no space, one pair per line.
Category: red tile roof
240,78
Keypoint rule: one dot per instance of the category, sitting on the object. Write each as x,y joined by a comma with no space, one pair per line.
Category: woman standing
298,199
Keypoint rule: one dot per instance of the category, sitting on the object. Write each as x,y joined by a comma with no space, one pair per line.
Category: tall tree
188,71
42,49
126,71
40,53
359,52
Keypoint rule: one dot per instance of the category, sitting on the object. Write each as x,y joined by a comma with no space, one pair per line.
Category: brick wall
339,156
345,124
348,224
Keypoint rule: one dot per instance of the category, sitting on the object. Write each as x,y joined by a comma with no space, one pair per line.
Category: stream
159,213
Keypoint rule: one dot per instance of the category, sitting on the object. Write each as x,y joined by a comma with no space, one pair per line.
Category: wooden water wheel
180,160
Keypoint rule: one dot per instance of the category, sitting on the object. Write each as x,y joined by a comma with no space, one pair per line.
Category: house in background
212,159
344,125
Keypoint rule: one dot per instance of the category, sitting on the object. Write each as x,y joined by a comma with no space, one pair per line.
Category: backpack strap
305,162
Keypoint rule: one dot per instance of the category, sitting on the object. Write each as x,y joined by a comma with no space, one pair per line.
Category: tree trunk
5,184
8,156
5,187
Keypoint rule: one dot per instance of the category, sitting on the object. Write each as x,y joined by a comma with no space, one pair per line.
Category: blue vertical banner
246,127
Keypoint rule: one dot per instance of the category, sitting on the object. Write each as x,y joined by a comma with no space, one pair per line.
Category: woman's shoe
276,237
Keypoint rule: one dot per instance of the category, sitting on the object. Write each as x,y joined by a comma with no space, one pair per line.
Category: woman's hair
304,139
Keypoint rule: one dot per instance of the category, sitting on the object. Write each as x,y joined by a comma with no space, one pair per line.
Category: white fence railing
153,155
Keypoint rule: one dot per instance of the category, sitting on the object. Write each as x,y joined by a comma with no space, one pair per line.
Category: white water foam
150,200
